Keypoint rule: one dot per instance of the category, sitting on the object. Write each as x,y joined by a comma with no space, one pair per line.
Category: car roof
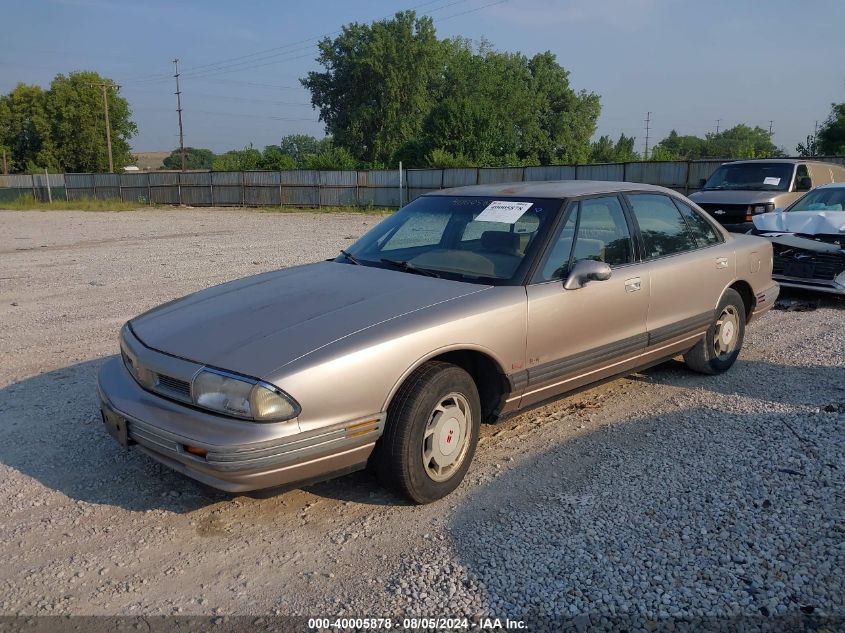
791,161
549,189
830,185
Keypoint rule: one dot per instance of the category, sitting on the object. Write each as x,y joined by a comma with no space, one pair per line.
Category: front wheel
720,347
431,433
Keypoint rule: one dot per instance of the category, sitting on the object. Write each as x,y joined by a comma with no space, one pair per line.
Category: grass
29,203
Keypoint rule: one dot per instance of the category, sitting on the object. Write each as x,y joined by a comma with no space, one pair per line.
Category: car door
689,266
577,336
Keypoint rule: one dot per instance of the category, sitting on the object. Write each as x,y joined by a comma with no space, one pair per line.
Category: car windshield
831,199
752,176
476,239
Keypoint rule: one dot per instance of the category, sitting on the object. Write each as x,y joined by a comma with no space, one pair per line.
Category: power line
245,61
251,100
254,116
219,68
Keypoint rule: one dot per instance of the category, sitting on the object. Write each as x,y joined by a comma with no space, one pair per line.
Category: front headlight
764,208
242,397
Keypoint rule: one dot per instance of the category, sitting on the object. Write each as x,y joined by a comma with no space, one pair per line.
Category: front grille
173,385
728,211
825,266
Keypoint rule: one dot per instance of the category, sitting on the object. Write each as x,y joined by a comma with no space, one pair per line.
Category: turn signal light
196,450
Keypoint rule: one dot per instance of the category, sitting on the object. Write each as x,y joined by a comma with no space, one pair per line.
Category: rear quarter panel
753,256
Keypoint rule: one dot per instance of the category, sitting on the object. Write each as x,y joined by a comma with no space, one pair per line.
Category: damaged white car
808,238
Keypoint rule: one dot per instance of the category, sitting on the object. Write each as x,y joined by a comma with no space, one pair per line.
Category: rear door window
701,229
663,228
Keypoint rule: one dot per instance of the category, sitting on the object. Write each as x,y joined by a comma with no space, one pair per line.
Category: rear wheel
431,433
720,347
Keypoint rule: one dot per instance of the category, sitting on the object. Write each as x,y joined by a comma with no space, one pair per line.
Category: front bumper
238,456
817,285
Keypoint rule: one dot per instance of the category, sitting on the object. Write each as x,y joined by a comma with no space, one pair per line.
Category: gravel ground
660,498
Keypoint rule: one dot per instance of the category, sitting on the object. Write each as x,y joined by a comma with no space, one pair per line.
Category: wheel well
747,295
488,377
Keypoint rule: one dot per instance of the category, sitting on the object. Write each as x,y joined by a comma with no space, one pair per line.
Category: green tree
74,106
332,158
391,91
375,92
300,146
481,110
809,147
741,141
678,147
567,119
831,136
604,150
25,129
195,158
442,159
245,159
274,158
499,108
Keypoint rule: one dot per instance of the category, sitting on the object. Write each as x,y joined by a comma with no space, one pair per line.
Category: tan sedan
465,306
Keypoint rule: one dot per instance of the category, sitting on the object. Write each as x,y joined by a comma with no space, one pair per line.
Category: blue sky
688,62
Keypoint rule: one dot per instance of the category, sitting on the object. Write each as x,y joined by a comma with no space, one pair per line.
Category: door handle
633,284
721,262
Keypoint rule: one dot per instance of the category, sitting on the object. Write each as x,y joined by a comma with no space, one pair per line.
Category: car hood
806,222
734,196
258,324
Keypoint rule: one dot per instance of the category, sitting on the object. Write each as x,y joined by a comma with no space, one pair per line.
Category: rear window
664,230
701,229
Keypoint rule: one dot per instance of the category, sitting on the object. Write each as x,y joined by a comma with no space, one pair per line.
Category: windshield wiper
350,257
409,267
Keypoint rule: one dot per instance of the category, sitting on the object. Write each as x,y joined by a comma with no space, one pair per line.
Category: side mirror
804,184
586,271
702,182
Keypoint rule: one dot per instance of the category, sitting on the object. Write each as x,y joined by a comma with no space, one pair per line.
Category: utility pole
771,122
179,111
647,128
717,125
105,87
6,166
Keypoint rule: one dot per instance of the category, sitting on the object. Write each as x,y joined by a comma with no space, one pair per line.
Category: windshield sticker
505,211
771,180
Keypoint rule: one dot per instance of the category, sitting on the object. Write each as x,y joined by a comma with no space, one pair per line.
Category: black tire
706,357
399,456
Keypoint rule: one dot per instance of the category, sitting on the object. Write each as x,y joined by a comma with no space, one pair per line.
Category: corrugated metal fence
304,188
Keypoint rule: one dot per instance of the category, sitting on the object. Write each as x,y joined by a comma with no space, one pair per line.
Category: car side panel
685,289
571,333
356,376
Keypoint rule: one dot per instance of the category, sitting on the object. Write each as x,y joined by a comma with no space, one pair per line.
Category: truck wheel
720,347
431,433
